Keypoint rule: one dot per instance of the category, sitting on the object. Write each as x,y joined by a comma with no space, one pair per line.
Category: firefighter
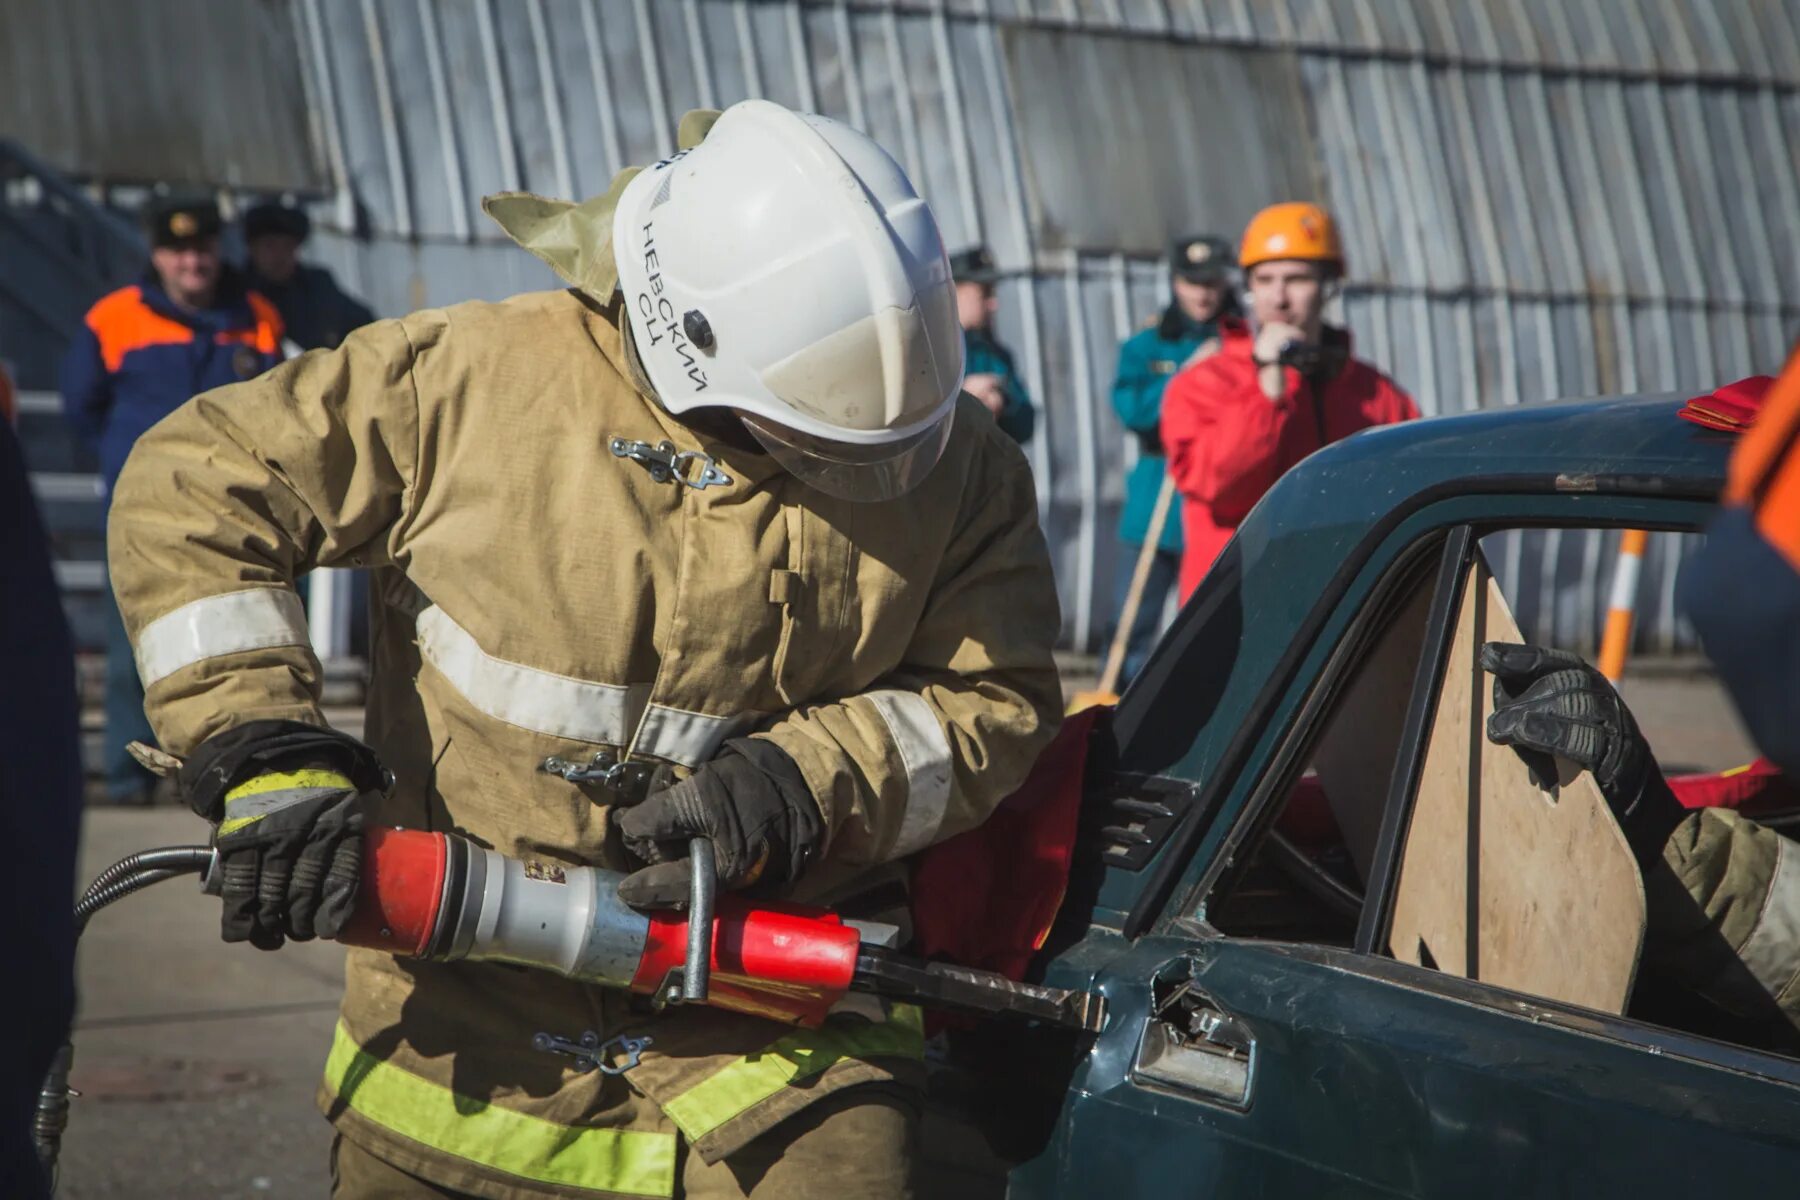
1201,274
1742,591
713,523
1722,891
317,312
191,323
993,377
1235,422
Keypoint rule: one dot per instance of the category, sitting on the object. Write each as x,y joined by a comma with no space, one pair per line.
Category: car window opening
1497,866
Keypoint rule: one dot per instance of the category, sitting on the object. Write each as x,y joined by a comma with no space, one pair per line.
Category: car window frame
1276,741
1156,893
1453,544
1286,762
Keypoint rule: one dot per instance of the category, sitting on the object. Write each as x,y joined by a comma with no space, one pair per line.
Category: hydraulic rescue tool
440,897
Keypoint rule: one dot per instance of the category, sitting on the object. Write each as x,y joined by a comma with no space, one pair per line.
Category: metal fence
1541,198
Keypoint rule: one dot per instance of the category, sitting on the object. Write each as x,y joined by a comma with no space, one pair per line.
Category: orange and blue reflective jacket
137,358
1742,590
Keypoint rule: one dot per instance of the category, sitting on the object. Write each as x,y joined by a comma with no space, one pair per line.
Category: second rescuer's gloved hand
753,804
285,800
1553,703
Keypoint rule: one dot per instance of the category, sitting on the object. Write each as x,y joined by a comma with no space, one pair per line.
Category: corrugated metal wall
203,92
1541,198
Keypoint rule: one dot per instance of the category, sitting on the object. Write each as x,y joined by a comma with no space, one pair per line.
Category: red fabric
1757,789
1227,444
1307,818
1731,408
986,898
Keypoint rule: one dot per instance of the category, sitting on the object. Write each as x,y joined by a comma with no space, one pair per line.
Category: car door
1235,1065
1239,1068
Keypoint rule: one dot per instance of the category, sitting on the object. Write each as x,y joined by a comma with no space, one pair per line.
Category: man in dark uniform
991,376
188,325
1202,275
316,311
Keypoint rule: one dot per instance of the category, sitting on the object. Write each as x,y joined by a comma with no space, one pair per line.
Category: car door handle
1194,1047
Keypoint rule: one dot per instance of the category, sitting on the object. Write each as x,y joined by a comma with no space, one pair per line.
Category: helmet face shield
859,473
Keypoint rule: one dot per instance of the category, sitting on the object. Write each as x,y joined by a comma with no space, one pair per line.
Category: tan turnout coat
534,595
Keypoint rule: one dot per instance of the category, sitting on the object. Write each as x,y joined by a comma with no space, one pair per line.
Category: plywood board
1504,881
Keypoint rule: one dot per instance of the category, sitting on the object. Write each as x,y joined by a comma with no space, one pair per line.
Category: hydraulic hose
137,871
168,856
130,874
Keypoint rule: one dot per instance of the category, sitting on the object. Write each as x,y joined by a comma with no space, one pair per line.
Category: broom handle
1159,516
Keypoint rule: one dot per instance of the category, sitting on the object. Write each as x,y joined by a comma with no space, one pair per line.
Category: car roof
1623,439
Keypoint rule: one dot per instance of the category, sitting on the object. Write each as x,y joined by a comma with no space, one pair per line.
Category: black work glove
1549,702
752,803
284,798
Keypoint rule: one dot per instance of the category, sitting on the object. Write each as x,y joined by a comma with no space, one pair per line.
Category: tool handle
703,889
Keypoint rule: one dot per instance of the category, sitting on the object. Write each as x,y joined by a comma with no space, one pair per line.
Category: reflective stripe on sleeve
253,619
802,1054
623,1161
925,754
688,738
541,701
1772,950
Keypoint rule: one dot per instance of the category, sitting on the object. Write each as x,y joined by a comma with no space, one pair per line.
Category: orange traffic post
1621,609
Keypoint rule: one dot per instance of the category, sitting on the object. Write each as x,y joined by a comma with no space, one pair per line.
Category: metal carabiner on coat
689,468
629,780
590,1053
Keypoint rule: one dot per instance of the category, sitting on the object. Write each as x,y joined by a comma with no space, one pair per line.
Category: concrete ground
1686,716
197,1061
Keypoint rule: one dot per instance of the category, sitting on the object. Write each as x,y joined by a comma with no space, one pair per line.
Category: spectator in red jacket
1234,422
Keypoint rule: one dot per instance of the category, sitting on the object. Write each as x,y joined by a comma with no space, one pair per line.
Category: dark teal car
1268,1034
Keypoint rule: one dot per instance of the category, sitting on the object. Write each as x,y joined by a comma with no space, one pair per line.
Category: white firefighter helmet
785,268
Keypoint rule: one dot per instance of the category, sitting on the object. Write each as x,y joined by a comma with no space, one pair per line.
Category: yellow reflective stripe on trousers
634,1162
802,1054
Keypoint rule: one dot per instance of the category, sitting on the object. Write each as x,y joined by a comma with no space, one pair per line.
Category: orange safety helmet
1295,230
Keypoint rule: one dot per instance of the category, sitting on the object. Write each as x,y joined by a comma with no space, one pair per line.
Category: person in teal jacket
989,373
1202,270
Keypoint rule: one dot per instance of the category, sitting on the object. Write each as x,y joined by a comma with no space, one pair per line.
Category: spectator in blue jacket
988,371
190,324
1202,270
316,312
40,816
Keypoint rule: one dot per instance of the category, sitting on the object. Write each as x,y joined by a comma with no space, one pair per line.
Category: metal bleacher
60,250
